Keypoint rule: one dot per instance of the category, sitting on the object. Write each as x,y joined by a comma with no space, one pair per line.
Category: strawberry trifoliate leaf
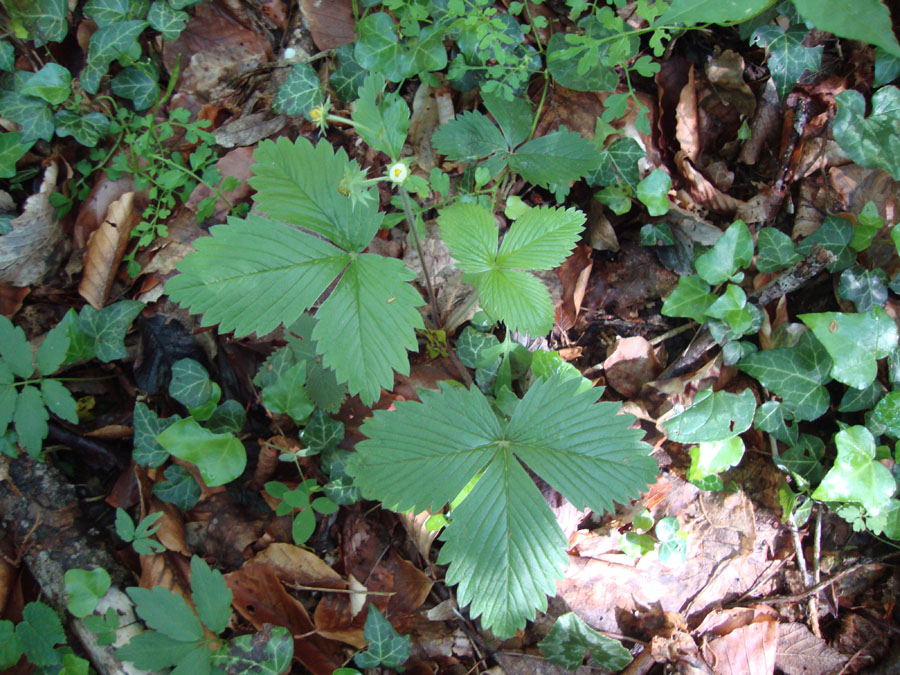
252,275
211,596
382,124
555,158
540,239
298,184
367,324
163,610
14,349
503,544
470,136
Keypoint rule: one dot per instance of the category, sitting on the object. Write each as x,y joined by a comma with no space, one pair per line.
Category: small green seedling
139,536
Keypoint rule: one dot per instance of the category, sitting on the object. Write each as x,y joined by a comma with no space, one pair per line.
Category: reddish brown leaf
632,364
105,249
11,298
330,22
95,207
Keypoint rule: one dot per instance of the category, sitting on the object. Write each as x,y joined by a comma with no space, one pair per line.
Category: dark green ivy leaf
86,129
571,637
179,488
386,647
300,93
788,59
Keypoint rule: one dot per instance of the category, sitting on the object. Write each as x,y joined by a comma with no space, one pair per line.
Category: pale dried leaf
105,248
633,363
358,595
93,210
415,527
765,125
249,130
726,72
330,22
422,124
802,653
686,119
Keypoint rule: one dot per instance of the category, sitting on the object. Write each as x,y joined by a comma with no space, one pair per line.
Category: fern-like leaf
503,545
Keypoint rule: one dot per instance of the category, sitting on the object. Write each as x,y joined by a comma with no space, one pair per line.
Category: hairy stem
411,223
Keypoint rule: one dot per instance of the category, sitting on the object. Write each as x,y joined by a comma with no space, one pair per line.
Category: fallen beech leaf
422,124
105,248
94,209
34,248
686,125
249,130
330,23
632,363
171,530
726,72
802,653
415,527
295,565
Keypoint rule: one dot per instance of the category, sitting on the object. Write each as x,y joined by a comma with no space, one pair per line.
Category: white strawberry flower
398,173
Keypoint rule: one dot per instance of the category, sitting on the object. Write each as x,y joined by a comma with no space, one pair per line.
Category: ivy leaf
887,67
873,141
771,418
168,21
107,327
503,545
426,50
7,57
653,192
865,20
712,417
836,235
30,418
856,476
288,395
86,129
691,298
854,342
11,150
385,646
45,19
776,251
229,416
179,488
711,457
190,384
788,59
864,288
555,158
322,432
382,124
300,93
796,374
266,652
59,400
472,348
297,183
378,48
855,400
711,11
211,596
15,349
164,611
147,426
540,239
732,251
107,44
221,458
348,76
107,12
618,163
33,114
138,85
887,413
52,83
570,637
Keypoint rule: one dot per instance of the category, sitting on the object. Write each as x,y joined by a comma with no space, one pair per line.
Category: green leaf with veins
190,384
772,418
887,67
570,637
33,114
514,117
167,20
803,460
873,141
887,414
653,191
179,488
228,417
540,239
712,417
381,123
796,374
107,327
52,83
776,251
691,12
378,48
731,252
15,349
221,458
147,426
86,129
691,298
137,85
152,650
39,630
107,44
11,150
385,646
45,19
472,345
300,93
266,652
348,76
288,394
618,163
211,596
856,476
322,432
426,50
555,158
836,235
30,418
7,57
864,288
54,347
855,342
864,20
470,136
711,457
600,76
164,611
84,589
504,547
59,400
107,12
788,59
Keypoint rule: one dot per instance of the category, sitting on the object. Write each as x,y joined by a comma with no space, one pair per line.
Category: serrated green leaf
382,124
252,275
691,12
379,50
691,298
11,150
124,525
298,184
267,652
854,342
147,426
386,647
541,239
555,158
59,400
787,58
138,85
52,352
864,288
864,20
348,76
776,251
190,384
52,83
514,117
167,20
796,374
300,93
107,327
107,44
39,630
164,611
211,596
34,115
368,324
30,419
731,252
600,76
712,417
503,545
45,19
8,396
84,589
221,458
873,141
86,129
469,137
323,387
229,416
179,488
151,650
571,637
856,476
15,350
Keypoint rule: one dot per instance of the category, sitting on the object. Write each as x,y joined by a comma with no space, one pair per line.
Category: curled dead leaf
105,248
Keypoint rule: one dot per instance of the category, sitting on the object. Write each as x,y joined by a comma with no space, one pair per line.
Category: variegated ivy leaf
168,21
300,93
108,12
44,19
33,114
138,84
86,129
788,59
108,44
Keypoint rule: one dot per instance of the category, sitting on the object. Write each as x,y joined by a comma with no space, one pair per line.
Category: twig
816,574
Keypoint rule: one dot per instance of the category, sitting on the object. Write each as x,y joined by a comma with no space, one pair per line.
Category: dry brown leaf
249,130
34,248
632,363
702,191
11,298
295,565
171,526
94,209
105,248
330,22
601,235
422,124
725,72
415,527
235,163
802,653
112,432
748,649
765,126
686,123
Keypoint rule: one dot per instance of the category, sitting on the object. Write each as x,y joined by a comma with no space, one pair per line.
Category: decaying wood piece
40,510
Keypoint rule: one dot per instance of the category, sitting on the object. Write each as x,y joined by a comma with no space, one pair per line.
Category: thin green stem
411,223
